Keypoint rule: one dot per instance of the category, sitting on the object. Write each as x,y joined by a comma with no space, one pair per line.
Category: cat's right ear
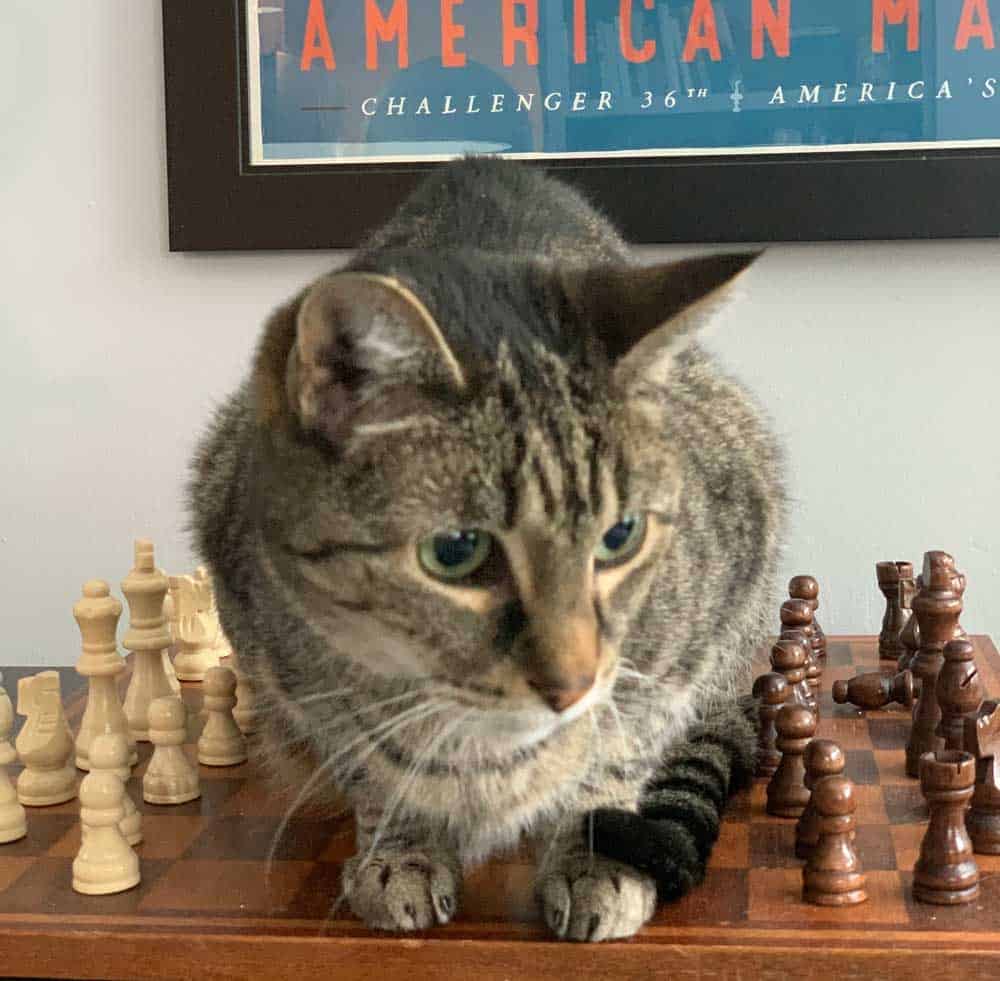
345,339
646,315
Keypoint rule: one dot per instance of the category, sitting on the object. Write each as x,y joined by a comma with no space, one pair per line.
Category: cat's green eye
453,555
621,541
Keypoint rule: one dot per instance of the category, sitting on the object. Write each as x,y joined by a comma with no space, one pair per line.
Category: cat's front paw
396,891
594,898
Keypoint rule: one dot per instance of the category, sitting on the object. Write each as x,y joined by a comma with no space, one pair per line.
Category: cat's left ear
356,334
646,315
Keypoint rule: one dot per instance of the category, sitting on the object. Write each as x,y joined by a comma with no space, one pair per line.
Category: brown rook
946,872
889,576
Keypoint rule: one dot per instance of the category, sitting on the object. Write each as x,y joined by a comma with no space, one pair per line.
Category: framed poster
303,123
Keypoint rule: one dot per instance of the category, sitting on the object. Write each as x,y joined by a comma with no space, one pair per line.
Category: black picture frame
217,202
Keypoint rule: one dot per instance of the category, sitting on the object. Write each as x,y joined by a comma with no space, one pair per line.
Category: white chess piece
245,712
222,646
97,616
13,823
170,618
221,742
147,637
169,778
197,633
44,744
109,751
105,862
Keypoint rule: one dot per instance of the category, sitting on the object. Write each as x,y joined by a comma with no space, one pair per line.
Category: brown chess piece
796,615
786,793
832,875
889,575
822,758
789,658
959,692
909,636
982,739
875,690
807,588
772,691
946,872
937,608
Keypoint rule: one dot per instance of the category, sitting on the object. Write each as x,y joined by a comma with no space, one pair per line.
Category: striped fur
409,696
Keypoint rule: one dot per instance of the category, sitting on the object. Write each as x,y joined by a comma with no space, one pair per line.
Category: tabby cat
494,539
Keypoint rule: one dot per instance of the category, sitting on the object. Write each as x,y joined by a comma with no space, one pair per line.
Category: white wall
877,361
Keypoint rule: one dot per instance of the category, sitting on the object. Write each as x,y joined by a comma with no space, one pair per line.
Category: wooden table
206,909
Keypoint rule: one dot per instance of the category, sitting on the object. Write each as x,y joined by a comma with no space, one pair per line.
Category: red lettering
629,50
702,32
393,27
895,12
980,27
450,33
316,40
775,23
579,31
526,33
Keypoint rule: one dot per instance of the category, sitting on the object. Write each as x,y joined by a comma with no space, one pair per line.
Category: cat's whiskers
616,715
385,730
426,752
320,696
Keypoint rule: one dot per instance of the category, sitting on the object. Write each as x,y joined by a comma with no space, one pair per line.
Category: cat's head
463,474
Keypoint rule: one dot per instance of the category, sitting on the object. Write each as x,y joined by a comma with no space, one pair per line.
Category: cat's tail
671,837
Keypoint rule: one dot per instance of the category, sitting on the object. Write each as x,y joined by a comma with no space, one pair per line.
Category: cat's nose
559,699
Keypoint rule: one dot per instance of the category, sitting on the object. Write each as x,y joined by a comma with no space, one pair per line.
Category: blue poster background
665,106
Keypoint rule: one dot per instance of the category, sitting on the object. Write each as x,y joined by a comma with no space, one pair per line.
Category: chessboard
208,907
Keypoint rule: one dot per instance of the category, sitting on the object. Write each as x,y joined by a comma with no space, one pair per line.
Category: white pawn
245,712
221,742
44,744
169,778
97,616
105,862
109,751
13,824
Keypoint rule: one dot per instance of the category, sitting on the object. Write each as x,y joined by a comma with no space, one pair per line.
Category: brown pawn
772,691
889,575
959,692
807,588
811,670
946,872
875,690
909,636
823,758
797,615
786,793
937,608
832,876
789,658
982,737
